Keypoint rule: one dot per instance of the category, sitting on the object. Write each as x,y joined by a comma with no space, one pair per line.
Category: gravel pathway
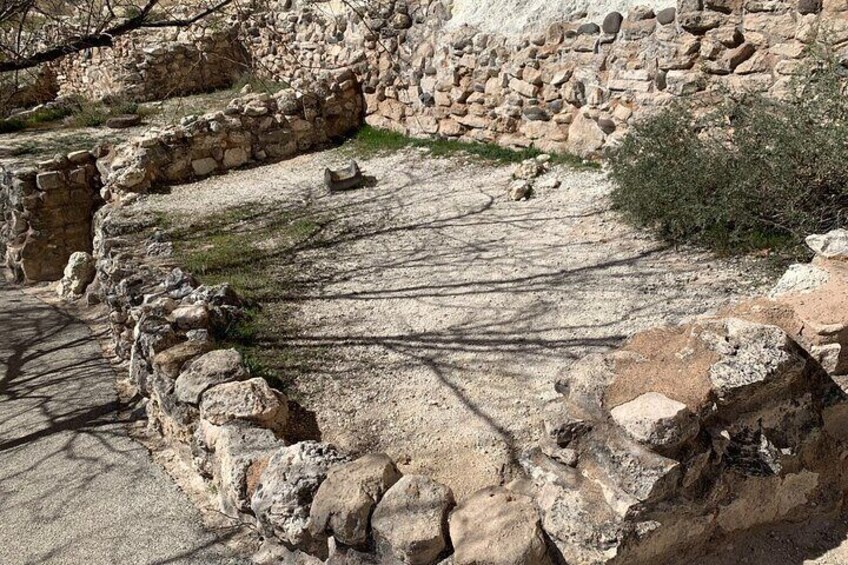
74,488
449,310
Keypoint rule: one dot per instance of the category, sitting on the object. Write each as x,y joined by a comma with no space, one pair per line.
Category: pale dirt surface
448,310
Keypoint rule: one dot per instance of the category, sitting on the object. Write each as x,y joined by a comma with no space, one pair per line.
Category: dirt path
449,310
74,488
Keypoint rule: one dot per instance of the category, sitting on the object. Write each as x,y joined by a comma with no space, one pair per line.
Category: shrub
753,174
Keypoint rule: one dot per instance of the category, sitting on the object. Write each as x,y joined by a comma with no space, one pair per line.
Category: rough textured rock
497,527
656,420
411,519
79,273
832,245
343,504
252,400
689,426
234,456
213,368
287,487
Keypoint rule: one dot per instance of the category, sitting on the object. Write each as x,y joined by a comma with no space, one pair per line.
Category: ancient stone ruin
682,436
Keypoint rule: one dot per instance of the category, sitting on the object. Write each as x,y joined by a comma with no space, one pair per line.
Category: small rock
832,245
79,273
657,421
520,190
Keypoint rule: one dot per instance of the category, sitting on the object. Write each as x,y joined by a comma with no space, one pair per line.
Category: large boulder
411,520
681,432
213,368
252,400
496,526
287,487
343,504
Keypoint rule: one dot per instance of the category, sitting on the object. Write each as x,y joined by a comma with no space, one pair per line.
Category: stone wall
571,85
682,436
567,83
46,215
252,129
158,67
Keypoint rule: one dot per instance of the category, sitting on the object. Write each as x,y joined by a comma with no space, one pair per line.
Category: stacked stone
47,215
158,68
253,128
572,87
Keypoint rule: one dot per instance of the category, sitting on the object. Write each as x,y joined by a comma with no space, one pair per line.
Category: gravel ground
449,310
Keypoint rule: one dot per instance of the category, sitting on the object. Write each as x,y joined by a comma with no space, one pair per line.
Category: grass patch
254,250
370,141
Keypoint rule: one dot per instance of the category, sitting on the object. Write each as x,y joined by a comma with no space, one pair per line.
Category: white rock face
800,278
832,245
513,17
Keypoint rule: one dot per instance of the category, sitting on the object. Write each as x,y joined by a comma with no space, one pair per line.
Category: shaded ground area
73,487
429,315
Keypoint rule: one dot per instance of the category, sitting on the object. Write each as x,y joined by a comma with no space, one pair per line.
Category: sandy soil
450,310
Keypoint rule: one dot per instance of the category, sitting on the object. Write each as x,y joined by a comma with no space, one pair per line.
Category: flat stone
656,420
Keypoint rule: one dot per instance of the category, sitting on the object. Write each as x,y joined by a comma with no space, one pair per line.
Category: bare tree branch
16,57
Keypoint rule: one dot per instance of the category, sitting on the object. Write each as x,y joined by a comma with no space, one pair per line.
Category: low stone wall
46,215
254,128
683,435
157,68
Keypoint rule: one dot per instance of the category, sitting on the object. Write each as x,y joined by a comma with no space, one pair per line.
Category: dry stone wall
46,215
161,66
429,68
47,212
684,435
570,85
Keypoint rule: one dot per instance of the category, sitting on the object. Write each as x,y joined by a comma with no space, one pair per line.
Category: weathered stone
171,361
520,190
287,487
832,245
252,400
497,527
78,274
612,23
343,503
656,420
213,368
190,317
412,519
